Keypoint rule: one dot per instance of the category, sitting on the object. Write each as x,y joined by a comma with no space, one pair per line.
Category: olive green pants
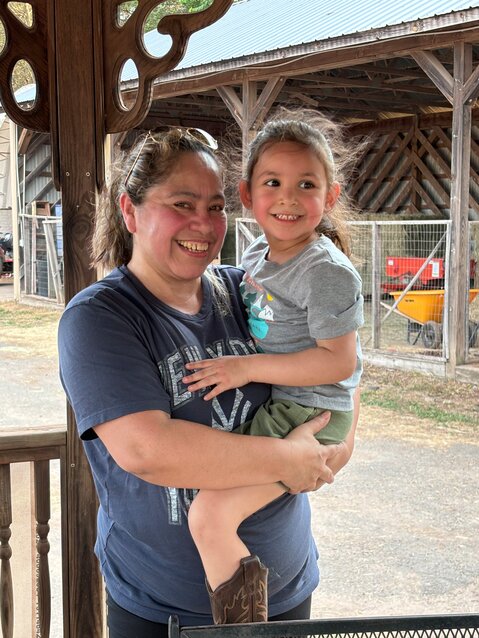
278,417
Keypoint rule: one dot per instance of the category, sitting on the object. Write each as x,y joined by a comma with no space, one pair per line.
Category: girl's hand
224,373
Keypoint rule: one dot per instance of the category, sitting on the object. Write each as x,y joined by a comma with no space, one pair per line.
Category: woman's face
180,227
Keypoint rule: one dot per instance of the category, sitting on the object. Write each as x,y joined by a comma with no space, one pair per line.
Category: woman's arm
331,361
180,453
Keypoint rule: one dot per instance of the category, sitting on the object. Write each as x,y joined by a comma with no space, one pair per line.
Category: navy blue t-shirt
123,351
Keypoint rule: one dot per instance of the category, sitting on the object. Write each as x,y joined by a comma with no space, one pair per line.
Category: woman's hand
309,466
339,460
224,373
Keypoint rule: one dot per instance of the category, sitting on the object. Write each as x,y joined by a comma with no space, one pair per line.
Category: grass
31,330
453,405
422,412
14,315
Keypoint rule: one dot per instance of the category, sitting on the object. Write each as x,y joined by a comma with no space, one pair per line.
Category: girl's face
180,227
289,195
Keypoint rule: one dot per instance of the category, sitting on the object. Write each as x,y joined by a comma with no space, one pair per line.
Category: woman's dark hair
146,164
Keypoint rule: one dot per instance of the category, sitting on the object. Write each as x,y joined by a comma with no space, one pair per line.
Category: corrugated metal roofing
256,26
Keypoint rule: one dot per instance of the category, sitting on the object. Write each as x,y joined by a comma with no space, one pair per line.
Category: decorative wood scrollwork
30,44
36,45
126,42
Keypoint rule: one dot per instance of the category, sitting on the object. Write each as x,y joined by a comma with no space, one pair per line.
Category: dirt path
397,532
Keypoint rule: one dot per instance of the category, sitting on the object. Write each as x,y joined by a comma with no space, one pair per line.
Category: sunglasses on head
197,134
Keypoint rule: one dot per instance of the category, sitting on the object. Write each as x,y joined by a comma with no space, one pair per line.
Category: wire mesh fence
451,626
404,268
41,256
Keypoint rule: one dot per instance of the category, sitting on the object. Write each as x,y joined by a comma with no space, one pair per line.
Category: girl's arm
331,361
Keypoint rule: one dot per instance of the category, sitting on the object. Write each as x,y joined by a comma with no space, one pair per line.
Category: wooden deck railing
39,447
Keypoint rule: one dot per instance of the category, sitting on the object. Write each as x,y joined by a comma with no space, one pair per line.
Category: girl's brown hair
327,140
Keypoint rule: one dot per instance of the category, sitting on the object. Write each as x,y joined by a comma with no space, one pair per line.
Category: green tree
22,73
126,9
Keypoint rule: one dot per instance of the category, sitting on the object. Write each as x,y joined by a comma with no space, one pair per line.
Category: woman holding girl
124,343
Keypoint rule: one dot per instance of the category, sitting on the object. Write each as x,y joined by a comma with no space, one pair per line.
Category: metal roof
256,26
252,27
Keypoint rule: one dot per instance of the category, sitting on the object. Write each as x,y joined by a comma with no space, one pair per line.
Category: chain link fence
404,267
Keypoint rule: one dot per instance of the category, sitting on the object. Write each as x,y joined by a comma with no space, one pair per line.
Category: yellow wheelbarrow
424,310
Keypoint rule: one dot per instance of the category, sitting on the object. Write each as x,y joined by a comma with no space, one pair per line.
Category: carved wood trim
113,46
42,516
121,43
30,44
6,586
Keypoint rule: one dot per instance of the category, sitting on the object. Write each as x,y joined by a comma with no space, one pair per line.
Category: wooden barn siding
408,172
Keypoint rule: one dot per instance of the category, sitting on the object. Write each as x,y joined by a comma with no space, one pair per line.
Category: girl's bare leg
214,518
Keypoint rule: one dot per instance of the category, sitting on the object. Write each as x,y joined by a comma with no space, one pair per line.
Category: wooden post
77,170
6,587
42,517
460,90
251,111
460,164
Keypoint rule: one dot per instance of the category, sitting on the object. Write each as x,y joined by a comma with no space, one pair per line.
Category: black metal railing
449,626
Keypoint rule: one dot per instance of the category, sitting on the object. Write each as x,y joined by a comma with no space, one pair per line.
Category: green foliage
169,7
402,406
23,72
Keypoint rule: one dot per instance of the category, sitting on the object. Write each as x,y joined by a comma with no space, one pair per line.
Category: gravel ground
397,531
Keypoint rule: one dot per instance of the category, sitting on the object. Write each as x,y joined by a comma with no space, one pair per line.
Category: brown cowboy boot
244,597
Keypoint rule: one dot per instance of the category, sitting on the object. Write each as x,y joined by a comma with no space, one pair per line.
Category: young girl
304,304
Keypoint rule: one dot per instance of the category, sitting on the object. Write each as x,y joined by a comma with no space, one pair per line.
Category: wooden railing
38,447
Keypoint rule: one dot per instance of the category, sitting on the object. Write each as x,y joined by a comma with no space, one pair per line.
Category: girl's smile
289,195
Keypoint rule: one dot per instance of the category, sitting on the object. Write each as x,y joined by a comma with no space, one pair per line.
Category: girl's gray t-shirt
314,295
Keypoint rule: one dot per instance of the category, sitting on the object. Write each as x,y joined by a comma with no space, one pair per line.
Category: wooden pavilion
410,80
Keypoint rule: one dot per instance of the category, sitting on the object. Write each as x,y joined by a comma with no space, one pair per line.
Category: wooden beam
471,87
252,109
373,163
39,168
422,192
401,123
448,173
402,165
233,102
436,72
391,162
24,140
266,99
211,76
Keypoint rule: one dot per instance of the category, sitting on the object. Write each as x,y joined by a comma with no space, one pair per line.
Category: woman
123,345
